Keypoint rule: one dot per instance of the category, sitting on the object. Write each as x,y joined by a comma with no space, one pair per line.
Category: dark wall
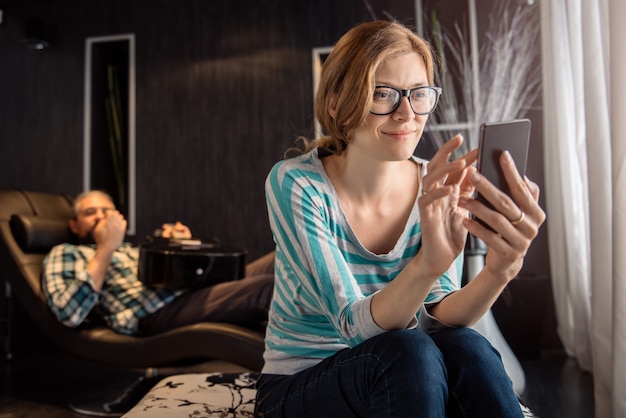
223,87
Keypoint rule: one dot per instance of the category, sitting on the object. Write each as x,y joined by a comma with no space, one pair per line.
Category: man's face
91,210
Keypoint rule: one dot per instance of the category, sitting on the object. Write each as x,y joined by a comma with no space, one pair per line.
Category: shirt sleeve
313,272
67,285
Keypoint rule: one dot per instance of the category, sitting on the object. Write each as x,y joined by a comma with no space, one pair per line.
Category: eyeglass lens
386,99
93,210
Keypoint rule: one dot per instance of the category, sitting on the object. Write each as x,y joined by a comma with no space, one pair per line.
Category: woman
368,317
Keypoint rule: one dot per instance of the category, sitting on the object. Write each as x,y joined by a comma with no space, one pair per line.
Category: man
97,277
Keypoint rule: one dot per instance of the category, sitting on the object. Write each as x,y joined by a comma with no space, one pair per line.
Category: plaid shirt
123,299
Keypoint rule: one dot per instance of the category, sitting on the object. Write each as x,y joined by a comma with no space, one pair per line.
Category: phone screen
496,137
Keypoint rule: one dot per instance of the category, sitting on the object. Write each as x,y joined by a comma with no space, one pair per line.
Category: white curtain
585,189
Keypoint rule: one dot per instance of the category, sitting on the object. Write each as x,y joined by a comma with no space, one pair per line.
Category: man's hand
109,232
177,230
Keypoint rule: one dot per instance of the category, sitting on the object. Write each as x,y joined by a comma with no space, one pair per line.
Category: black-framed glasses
386,99
90,211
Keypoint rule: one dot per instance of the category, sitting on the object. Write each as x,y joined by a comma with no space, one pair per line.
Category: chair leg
6,314
115,399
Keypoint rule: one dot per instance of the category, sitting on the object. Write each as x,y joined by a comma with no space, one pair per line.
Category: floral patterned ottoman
199,395
207,395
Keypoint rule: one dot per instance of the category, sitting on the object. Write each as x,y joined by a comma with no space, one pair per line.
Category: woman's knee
411,350
466,343
413,371
467,352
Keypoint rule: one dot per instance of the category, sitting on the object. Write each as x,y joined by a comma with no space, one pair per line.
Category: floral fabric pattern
199,395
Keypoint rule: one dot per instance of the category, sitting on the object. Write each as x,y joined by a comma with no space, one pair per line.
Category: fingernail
507,155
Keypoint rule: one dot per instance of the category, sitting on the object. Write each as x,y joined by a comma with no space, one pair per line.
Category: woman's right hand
443,237
441,217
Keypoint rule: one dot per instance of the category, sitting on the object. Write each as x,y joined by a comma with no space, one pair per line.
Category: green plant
117,144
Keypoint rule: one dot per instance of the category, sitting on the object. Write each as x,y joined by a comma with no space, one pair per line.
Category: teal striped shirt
324,277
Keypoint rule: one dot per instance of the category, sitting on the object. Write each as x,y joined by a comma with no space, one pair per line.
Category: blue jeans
399,374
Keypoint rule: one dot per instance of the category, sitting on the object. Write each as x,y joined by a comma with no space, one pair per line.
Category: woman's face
393,137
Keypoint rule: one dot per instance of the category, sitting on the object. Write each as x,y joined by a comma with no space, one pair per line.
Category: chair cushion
37,234
199,395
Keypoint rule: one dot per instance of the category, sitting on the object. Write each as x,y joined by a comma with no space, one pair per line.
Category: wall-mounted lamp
34,34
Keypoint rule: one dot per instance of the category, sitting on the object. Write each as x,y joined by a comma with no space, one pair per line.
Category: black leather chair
30,224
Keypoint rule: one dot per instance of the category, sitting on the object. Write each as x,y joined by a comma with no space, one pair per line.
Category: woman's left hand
515,220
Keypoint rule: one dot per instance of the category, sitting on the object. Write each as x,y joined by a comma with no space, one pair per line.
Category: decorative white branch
499,82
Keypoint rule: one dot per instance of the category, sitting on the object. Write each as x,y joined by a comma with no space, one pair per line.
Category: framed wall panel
109,124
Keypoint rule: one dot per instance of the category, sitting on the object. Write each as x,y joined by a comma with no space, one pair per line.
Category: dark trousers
404,373
242,302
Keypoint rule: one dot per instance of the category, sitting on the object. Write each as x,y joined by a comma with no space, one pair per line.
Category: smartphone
495,137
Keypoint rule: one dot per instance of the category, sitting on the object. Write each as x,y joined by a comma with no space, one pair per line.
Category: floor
557,388
43,384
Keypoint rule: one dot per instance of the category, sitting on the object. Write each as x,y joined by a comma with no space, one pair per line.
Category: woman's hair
78,199
347,77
